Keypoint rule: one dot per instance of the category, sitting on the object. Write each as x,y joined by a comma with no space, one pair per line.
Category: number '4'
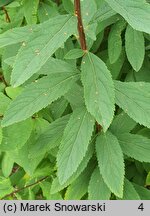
141,207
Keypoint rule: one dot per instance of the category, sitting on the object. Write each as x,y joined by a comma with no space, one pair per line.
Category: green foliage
100,98
108,154
74,106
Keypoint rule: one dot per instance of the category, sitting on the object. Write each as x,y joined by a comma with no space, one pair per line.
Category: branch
6,14
23,188
80,24
3,80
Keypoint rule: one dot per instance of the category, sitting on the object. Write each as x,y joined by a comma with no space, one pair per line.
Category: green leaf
129,192
47,10
148,179
68,5
47,38
115,41
38,95
56,186
136,13
74,54
50,138
4,103
143,192
1,134
104,12
111,162
79,187
97,189
134,99
78,130
57,66
7,165
135,49
30,11
98,89
16,35
16,135
135,146
88,9
122,123
13,92
5,187
75,96
21,155
58,107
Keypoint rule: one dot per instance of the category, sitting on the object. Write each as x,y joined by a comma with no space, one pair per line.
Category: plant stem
58,2
23,188
6,14
80,25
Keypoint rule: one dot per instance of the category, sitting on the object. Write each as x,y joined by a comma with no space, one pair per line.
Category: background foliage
75,117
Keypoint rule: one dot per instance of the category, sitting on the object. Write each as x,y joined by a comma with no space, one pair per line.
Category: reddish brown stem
58,2
3,80
98,127
23,188
80,24
6,14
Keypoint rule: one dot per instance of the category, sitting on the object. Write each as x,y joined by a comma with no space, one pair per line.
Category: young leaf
47,38
115,41
135,48
78,131
30,10
135,146
98,89
68,5
136,13
111,162
13,92
134,99
38,95
97,189
7,165
74,54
